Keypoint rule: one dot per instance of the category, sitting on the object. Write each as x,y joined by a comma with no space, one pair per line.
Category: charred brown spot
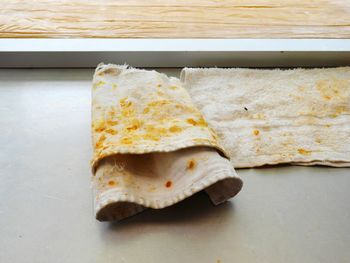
191,164
168,184
112,183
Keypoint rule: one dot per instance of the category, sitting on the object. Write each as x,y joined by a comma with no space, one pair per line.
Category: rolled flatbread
152,147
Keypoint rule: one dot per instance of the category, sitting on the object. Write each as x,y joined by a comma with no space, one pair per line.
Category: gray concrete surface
283,214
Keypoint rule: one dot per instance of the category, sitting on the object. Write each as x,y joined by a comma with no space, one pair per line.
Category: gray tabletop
283,214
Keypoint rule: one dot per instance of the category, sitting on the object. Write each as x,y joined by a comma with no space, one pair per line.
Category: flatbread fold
152,146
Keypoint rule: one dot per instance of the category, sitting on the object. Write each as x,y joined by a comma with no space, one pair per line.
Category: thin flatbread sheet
265,117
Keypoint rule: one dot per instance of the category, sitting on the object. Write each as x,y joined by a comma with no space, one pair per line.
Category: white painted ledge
174,52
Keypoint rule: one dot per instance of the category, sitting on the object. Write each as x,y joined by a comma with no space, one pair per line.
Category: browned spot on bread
134,125
168,184
112,183
256,132
146,110
199,122
202,122
191,121
191,164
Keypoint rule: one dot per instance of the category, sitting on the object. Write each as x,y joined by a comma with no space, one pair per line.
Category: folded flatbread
152,147
299,116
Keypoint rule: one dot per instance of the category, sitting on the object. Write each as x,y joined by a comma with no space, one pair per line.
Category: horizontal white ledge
30,53
171,45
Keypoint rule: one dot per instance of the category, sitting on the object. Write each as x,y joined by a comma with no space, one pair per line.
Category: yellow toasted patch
134,125
191,121
99,125
111,122
256,132
158,103
338,110
151,137
155,133
126,140
125,103
304,152
333,88
201,122
99,84
127,109
152,188
100,141
259,116
111,131
175,128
